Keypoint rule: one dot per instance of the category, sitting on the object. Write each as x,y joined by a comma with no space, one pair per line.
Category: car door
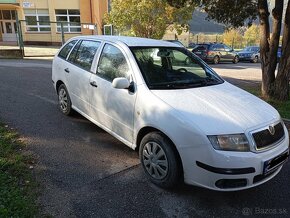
78,73
111,107
221,51
229,56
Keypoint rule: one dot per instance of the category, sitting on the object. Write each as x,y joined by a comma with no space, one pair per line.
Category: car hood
219,109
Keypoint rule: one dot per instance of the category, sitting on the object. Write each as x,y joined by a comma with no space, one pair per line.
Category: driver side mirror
121,83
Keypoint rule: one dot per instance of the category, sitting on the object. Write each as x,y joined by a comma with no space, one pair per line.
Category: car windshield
252,49
173,68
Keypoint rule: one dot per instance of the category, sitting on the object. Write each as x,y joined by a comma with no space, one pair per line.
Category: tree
232,37
241,11
252,35
146,18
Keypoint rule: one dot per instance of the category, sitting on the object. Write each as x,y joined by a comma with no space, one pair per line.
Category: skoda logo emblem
272,130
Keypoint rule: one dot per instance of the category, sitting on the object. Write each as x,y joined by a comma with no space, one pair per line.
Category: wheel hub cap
62,98
155,160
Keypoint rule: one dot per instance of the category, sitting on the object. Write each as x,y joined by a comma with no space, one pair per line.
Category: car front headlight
233,142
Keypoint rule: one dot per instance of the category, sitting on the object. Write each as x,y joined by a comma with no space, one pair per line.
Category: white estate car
160,99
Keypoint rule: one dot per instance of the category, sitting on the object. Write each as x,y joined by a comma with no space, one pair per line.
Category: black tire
236,59
174,173
216,59
255,60
65,106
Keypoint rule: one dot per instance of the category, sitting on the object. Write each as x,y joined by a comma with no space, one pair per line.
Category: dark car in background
279,53
250,53
216,53
191,45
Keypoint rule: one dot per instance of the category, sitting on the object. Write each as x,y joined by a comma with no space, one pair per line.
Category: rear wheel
216,59
160,160
64,100
236,60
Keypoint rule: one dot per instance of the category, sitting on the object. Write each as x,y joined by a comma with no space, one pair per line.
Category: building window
71,20
37,20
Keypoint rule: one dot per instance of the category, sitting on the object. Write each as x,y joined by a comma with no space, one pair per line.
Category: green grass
17,188
282,107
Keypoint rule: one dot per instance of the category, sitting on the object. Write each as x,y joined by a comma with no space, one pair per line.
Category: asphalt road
85,172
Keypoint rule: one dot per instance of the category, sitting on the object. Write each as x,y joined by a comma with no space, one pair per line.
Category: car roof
130,41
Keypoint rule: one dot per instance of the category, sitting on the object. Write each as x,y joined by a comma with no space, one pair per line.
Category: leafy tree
232,37
238,12
252,35
146,18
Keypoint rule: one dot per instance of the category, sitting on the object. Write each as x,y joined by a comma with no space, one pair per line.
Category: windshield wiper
179,85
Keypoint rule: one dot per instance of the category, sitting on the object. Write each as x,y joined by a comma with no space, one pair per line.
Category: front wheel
236,60
255,60
64,101
216,59
160,160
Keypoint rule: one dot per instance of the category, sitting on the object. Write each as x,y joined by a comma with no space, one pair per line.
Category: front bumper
246,58
227,170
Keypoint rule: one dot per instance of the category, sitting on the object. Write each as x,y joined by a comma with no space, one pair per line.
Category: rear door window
66,49
84,54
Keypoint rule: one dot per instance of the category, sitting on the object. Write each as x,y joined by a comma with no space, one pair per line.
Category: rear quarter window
66,49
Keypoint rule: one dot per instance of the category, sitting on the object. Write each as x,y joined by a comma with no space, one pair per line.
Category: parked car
250,53
216,53
279,53
187,123
191,45
177,42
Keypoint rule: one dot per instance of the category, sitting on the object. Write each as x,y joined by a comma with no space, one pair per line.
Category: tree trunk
274,43
264,46
283,75
269,47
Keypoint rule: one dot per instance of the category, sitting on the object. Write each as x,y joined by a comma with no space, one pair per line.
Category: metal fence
235,43
43,39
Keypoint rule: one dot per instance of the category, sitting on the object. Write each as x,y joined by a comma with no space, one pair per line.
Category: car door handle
66,70
94,84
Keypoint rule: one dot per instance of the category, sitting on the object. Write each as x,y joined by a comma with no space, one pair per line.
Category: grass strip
17,188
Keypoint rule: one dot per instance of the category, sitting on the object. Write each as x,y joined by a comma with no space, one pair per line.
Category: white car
187,123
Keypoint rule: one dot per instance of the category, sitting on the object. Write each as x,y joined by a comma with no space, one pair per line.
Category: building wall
86,16
91,12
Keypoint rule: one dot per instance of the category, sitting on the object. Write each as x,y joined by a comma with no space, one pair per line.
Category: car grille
264,138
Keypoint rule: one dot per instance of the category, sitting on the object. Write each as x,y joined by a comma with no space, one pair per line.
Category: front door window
112,64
